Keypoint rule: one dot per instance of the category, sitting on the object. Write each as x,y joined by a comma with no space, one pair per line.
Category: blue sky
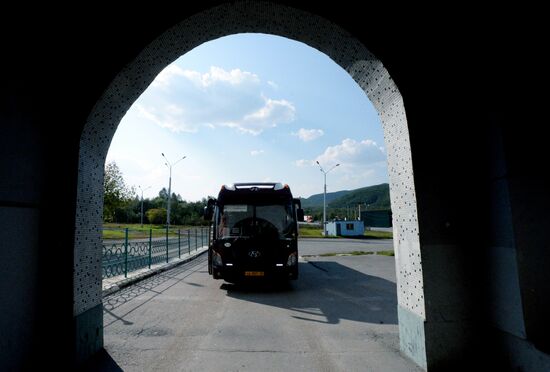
251,107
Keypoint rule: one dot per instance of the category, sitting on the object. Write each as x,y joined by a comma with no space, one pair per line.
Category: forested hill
376,197
316,200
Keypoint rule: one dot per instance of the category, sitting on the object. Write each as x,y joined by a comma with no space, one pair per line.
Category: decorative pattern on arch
227,19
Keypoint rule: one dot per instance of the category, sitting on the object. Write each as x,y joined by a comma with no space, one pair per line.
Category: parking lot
340,315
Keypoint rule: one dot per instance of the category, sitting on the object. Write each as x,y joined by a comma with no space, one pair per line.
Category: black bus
255,232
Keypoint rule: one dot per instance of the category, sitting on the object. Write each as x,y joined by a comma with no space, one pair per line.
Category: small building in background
345,228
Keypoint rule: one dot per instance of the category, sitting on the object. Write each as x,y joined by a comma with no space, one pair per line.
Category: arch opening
330,39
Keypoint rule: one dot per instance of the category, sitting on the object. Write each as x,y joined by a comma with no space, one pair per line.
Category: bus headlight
292,259
216,259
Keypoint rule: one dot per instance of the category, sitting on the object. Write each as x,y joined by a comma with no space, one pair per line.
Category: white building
345,228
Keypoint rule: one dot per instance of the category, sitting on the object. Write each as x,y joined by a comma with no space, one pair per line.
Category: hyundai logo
254,254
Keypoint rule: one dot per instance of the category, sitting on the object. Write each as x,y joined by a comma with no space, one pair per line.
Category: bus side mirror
207,213
299,210
300,215
209,210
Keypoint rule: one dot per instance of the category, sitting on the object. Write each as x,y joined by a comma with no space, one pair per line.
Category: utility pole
169,188
325,198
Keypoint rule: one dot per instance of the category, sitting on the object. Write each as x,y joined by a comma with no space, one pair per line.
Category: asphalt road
340,315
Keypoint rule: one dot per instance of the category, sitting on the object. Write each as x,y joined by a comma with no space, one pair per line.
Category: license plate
253,273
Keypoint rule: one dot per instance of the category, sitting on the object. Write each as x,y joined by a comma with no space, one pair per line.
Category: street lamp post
325,198
169,165
142,190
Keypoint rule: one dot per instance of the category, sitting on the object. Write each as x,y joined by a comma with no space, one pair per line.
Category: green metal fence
125,255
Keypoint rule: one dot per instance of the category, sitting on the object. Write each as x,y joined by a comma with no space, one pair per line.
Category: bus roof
254,191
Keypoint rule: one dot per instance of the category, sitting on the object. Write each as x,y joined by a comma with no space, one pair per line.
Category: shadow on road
326,292
151,286
102,361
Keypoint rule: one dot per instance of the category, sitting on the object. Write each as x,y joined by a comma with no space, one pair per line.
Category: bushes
156,216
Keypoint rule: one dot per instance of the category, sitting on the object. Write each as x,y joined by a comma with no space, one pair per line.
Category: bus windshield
245,220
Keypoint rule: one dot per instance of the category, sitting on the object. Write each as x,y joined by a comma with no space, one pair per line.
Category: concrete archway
470,81
241,17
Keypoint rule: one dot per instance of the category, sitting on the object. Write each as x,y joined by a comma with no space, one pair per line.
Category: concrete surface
340,315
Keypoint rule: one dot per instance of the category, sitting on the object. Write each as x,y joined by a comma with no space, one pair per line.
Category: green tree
116,194
156,216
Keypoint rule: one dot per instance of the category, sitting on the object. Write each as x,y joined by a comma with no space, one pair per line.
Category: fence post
196,239
166,243
150,244
209,232
189,241
202,236
126,252
179,244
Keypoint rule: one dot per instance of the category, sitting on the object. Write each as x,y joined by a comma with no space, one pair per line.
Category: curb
129,281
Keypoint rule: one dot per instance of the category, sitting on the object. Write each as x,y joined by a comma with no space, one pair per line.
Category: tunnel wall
466,158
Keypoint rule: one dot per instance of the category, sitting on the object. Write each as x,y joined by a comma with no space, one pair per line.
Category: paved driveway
340,315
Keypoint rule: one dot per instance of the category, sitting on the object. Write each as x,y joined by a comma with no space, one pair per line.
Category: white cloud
214,76
219,75
352,153
256,152
308,134
273,112
304,163
171,117
354,157
166,76
361,163
189,100
273,84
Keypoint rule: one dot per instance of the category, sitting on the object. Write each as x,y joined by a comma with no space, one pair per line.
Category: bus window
235,220
277,217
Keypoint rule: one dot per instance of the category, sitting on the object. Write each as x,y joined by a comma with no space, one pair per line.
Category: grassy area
310,232
316,232
135,231
378,234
